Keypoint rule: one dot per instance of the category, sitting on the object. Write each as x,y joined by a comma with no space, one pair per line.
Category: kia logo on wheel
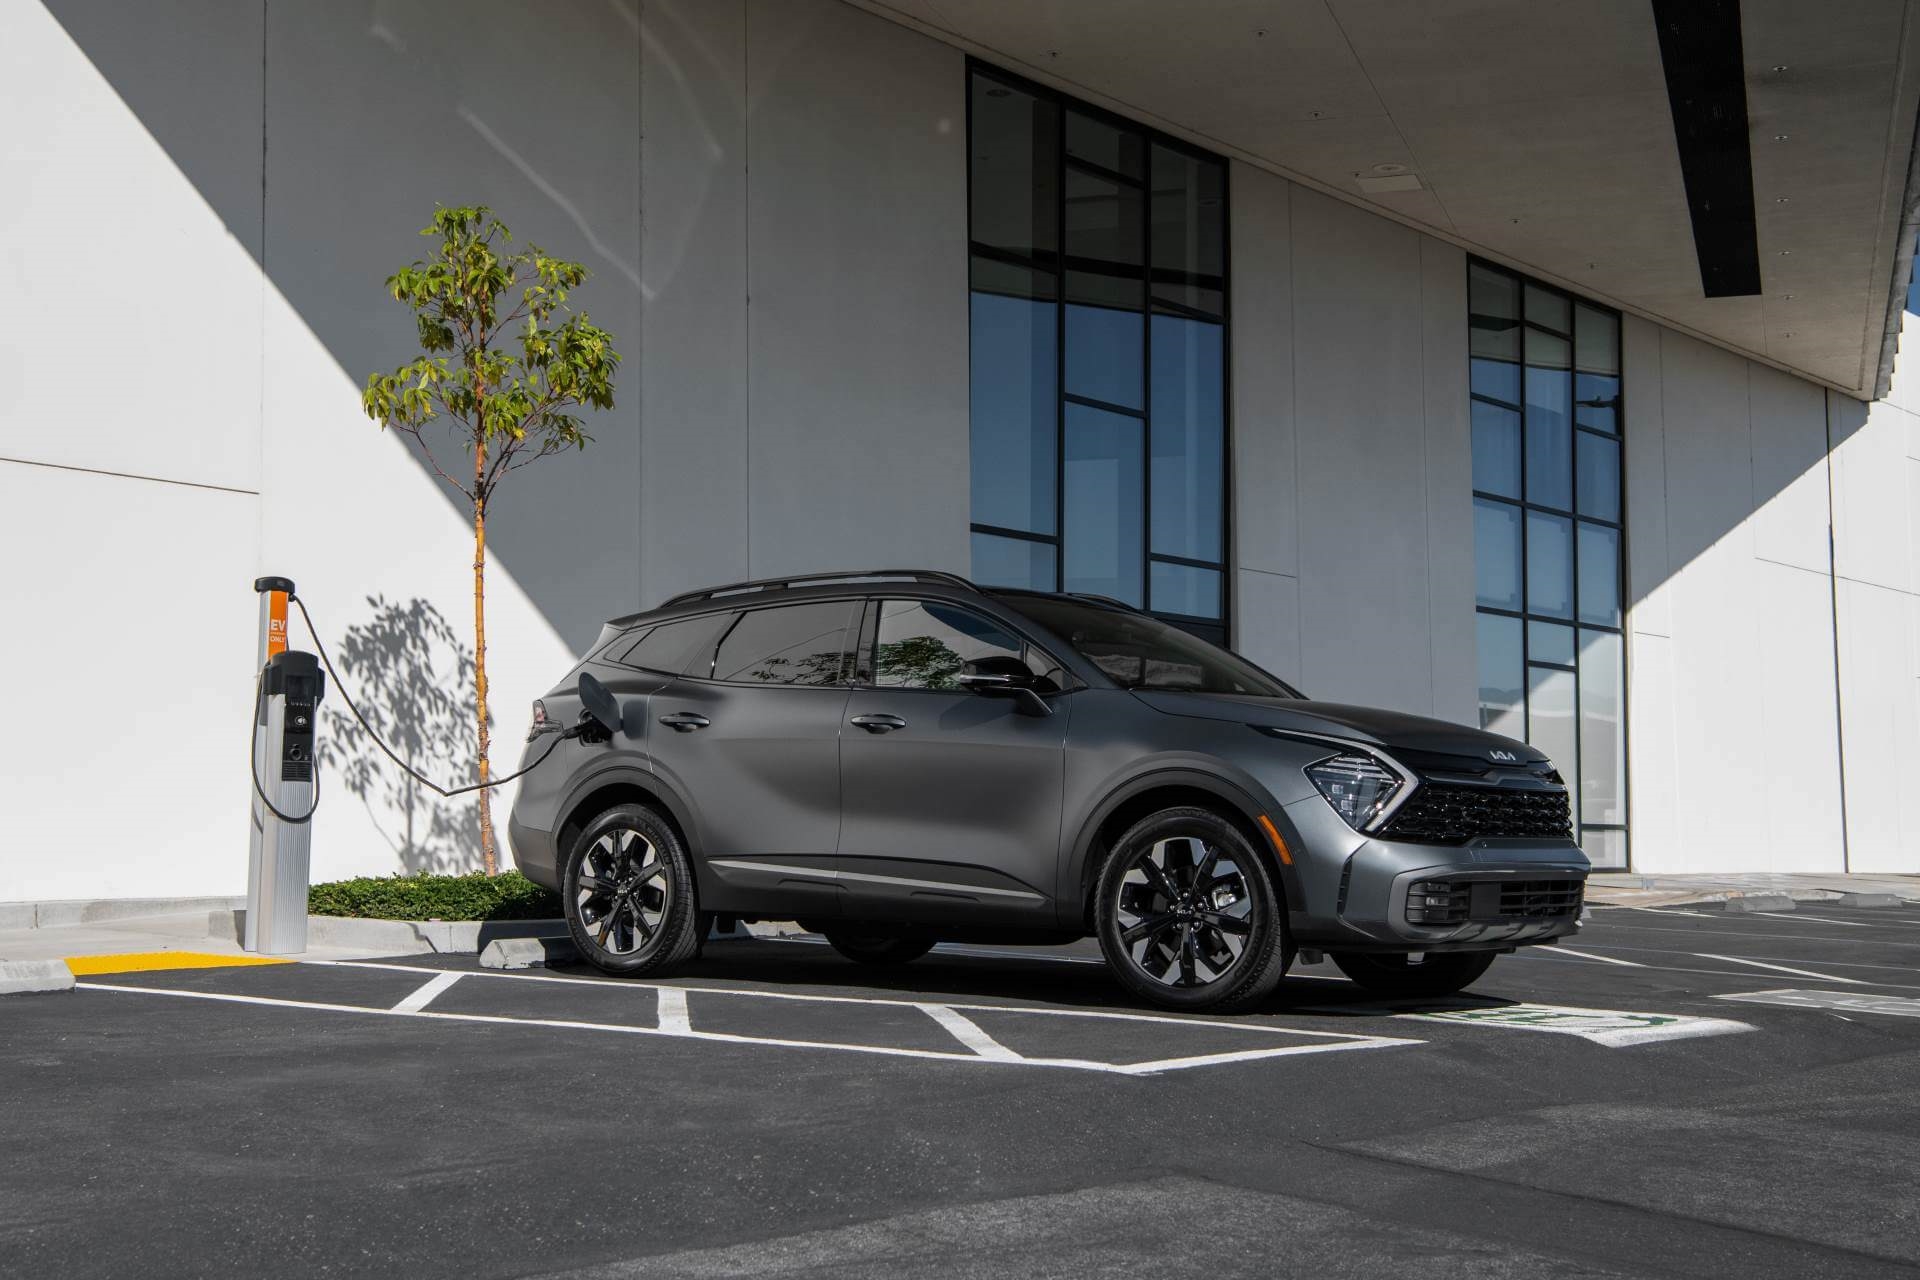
1506,756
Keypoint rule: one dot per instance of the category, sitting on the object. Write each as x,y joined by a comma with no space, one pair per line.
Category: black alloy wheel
1188,913
629,894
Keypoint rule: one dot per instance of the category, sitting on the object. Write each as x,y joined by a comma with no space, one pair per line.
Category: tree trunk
487,859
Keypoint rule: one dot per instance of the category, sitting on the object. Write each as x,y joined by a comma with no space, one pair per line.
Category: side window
674,647
926,644
789,644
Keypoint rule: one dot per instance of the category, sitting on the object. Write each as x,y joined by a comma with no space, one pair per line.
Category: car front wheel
1188,913
1434,974
629,894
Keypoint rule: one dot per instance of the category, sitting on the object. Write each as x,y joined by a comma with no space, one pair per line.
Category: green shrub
509,896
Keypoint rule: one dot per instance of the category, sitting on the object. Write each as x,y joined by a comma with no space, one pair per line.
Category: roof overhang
1544,136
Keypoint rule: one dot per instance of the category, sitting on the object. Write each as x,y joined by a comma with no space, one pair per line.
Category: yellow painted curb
142,961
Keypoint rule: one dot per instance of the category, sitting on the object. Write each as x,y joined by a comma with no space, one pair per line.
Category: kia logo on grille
1506,756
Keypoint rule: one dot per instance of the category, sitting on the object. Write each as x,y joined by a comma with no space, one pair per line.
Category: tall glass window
1099,311
1544,370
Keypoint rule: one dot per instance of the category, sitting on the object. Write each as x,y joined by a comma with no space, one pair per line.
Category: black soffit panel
1707,92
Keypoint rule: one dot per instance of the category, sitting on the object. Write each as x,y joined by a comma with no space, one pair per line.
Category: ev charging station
285,781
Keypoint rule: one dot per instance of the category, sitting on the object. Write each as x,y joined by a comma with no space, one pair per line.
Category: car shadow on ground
1042,979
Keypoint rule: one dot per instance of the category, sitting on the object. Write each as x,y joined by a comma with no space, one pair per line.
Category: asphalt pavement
1676,1092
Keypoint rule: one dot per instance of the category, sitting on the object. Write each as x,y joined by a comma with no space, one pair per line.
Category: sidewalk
1634,889
174,931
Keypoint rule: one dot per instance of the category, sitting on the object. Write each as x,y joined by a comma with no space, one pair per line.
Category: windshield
1139,652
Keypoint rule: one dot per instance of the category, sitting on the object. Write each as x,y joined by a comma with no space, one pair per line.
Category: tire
878,949
1438,974
629,894
1163,942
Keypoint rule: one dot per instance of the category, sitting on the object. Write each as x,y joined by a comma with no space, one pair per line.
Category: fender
1075,874
635,772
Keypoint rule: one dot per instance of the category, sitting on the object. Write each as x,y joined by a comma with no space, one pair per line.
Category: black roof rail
809,579
1099,599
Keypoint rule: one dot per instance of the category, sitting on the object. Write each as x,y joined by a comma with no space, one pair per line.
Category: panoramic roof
1556,137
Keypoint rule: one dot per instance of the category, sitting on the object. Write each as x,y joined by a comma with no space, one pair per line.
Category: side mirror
601,708
1004,678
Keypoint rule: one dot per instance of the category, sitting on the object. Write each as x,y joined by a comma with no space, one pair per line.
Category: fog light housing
1437,902
1357,786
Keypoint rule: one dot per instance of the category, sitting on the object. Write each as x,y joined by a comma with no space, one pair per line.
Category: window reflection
1098,277
1545,384
1105,546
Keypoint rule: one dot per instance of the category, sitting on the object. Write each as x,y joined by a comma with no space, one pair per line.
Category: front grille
1449,813
1540,899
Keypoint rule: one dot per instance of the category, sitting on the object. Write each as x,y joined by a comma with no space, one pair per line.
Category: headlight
1357,786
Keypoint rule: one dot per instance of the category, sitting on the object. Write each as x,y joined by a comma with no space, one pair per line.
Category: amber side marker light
1279,845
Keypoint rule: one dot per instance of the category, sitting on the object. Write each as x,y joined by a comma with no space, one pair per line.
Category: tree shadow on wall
410,676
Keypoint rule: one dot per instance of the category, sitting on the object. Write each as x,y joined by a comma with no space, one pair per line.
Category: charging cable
341,686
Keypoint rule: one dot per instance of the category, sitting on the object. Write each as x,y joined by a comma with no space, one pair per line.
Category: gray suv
895,758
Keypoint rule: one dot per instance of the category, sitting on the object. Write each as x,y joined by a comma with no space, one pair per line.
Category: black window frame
735,613
1524,505
1057,264
868,639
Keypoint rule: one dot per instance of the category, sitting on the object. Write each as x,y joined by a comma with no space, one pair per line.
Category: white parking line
672,1011
968,1033
1834,1001
674,1022
1781,968
1580,955
427,992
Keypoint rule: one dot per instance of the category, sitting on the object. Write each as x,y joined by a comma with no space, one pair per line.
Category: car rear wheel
629,894
878,949
1435,974
1188,913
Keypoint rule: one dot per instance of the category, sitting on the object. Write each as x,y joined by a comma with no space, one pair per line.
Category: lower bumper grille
1450,902
1449,813
1541,899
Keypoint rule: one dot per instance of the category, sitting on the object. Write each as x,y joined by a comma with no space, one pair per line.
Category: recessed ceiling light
1782,199
1786,335
1778,67
1389,168
1787,296
1781,137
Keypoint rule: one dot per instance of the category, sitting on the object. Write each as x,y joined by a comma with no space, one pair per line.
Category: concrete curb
20,976
1750,902
47,915
1871,900
396,937
528,953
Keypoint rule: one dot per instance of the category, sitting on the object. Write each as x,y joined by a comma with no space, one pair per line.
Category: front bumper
1500,892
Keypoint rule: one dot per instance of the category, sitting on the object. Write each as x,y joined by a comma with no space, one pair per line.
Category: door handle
879,723
685,721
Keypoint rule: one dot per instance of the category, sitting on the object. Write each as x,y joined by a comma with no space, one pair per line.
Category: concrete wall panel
149,583
130,330
1266,500
693,353
857,275
1360,414
1449,498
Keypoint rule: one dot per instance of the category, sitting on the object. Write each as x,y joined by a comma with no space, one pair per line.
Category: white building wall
1876,547
1730,618
219,190
1353,483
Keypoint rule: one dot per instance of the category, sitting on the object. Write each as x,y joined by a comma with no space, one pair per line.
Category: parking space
311,1116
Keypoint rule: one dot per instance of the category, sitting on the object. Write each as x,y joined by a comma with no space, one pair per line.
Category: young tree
504,362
